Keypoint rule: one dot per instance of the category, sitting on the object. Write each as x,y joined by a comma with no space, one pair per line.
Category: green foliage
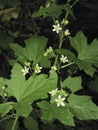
27,91
12,3
33,51
50,112
5,108
7,14
9,9
66,52
87,54
5,40
39,90
31,123
51,11
82,107
74,84
7,124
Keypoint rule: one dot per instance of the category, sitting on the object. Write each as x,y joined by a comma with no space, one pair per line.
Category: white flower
54,68
25,70
67,33
63,59
37,69
60,101
53,92
57,28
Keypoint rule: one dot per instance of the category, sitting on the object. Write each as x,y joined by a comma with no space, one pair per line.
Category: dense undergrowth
48,67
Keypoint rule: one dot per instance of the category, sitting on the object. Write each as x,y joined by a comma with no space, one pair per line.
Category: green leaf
23,108
73,83
51,111
45,62
5,40
16,83
86,66
2,82
5,108
33,50
8,125
87,54
50,11
82,107
12,3
7,14
27,91
30,123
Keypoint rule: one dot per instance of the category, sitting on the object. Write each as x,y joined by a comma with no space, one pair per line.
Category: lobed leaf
27,91
51,111
87,54
73,83
82,107
33,50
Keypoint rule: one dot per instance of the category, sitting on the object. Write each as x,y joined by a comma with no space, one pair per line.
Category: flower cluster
26,69
48,51
58,27
58,97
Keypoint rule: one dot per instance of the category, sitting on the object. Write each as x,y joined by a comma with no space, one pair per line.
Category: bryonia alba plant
37,89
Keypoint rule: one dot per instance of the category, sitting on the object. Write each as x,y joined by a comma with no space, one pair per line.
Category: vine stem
67,65
14,124
60,45
74,3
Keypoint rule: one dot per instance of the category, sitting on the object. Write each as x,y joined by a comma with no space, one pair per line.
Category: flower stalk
15,122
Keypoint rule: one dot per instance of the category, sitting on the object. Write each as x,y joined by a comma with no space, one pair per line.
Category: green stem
54,2
60,45
61,35
74,3
67,65
61,40
14,124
